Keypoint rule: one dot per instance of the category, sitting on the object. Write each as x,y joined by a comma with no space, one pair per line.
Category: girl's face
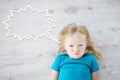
75,45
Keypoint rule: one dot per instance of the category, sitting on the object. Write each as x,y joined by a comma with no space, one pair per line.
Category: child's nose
76,49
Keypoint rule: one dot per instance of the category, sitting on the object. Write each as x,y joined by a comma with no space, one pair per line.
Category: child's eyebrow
80,44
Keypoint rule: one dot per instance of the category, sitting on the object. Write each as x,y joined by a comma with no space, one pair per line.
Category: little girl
77,58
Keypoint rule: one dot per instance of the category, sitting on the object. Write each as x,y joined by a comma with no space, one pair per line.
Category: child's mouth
76,53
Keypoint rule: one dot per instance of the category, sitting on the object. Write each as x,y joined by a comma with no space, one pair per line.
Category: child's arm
54,75
95,76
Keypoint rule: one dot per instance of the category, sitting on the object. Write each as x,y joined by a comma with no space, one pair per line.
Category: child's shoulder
89,54
61,54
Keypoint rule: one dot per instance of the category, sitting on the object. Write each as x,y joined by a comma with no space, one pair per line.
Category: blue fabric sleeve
56,64
94,65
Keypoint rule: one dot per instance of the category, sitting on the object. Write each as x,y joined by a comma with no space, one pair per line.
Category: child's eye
70,45
80,45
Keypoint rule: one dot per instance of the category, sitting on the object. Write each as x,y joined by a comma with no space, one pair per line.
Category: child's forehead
76,37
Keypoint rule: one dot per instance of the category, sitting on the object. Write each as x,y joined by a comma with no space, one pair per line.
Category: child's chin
76,57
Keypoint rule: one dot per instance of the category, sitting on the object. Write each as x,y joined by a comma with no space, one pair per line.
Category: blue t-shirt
75,69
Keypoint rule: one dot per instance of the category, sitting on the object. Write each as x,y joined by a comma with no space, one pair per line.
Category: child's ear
87,45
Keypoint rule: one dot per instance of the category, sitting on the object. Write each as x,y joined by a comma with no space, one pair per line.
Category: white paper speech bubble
29,23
